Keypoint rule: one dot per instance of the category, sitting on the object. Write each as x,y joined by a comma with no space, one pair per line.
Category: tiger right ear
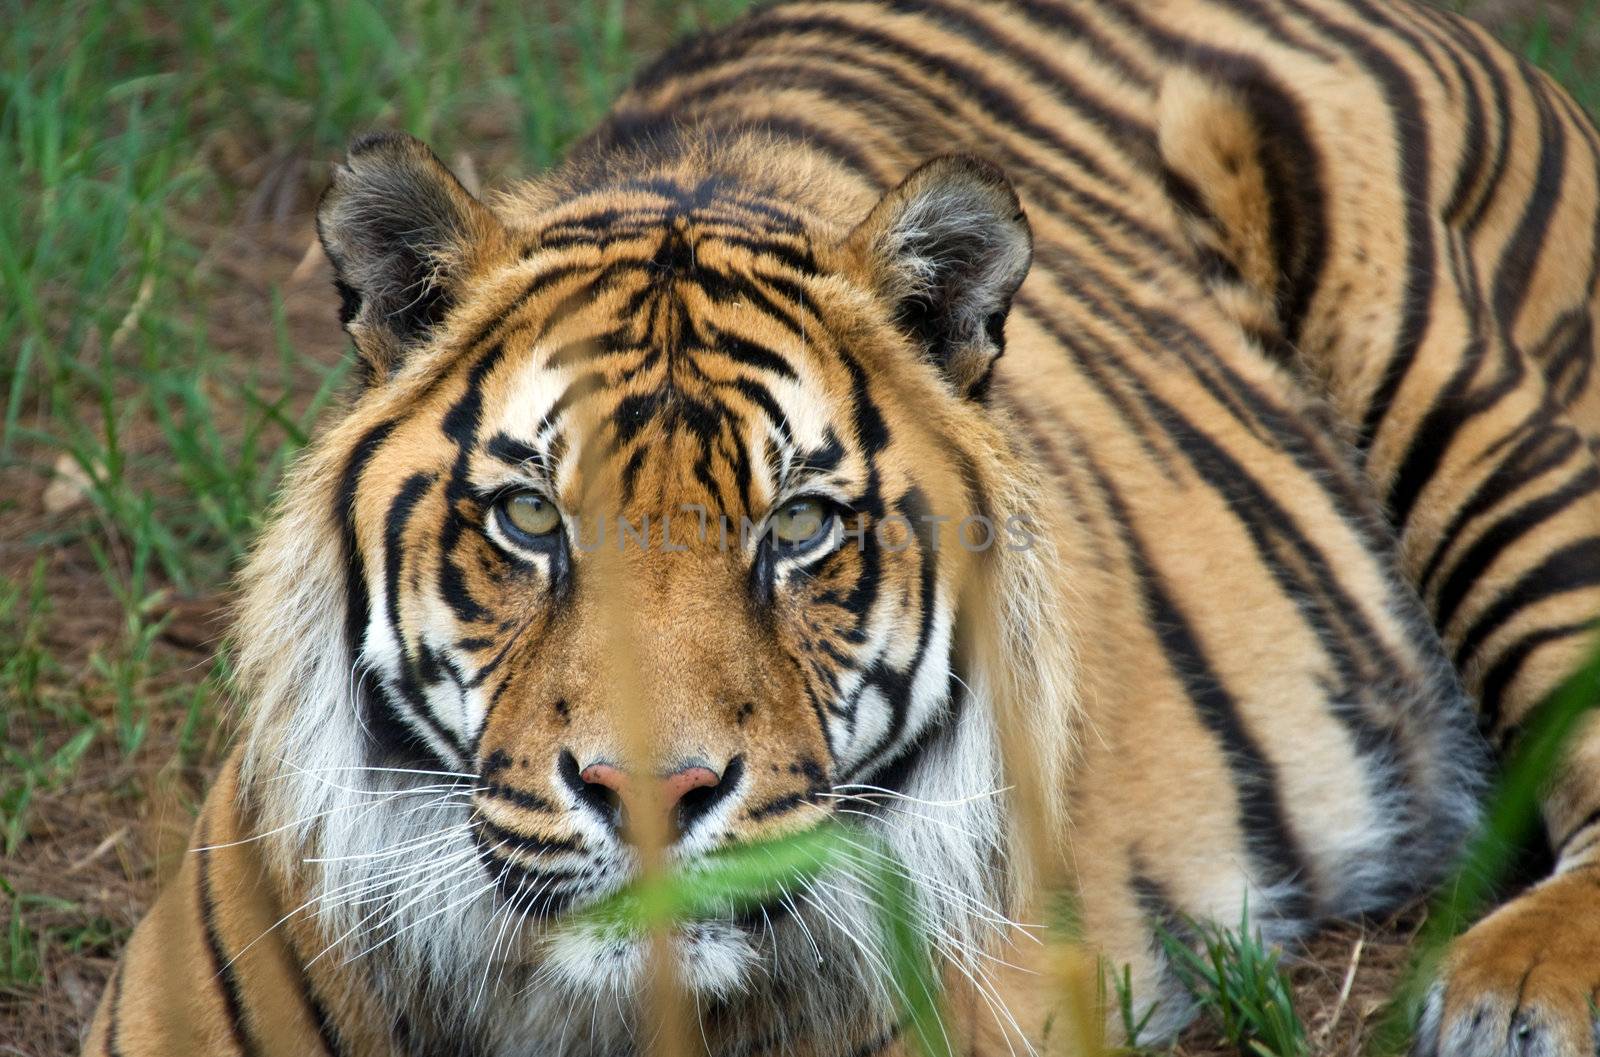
947,249
403,236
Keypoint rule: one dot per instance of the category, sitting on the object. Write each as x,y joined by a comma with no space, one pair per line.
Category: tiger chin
1140,451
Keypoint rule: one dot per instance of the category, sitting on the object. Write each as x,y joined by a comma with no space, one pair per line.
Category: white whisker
379,770
403,848
895,794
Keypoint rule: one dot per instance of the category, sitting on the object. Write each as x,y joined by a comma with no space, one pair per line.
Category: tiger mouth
578,945
537,890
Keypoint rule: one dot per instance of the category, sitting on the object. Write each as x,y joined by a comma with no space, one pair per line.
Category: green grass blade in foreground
750,875
727,881
1512,813
909,952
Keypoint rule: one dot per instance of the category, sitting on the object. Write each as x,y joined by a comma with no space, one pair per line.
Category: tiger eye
799,521
532,514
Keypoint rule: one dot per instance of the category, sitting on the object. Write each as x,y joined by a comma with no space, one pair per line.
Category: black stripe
1306,578
114,1011
1273,848
1333,617
1470,165
897,772
1413,147
460,425
747,352
1157,908
628,130
1063,20
1523,251
1497,539
1459,401
485,833
1068,198
327,1025
1591,819
1394,18
1506,667
1537,452
534,287
1091,365
410,677
1263,415
1261,15
232,998
382,721
1486,64
1572,568
1566,355
1125,132
895,686
970,84
1292,165
522,798
781,805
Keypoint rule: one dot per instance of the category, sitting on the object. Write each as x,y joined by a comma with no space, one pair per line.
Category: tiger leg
219,966
1468,388
1524,525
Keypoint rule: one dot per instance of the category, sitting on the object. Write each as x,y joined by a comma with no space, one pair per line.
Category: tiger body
1288,464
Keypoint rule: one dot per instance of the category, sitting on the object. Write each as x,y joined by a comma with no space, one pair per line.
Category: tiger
1158,439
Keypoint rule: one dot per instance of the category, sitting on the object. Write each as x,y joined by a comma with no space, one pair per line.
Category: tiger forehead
698,425
709,209
670,266
685,350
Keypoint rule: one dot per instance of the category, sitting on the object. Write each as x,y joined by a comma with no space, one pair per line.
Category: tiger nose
678,796
674,787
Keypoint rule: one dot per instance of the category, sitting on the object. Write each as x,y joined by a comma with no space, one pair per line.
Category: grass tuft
1239,985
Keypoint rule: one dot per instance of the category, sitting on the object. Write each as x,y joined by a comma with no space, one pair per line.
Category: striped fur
1286,442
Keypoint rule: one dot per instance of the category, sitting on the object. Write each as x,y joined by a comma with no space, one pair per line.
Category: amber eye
530,514
800,521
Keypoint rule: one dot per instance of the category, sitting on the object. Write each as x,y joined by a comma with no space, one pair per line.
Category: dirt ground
98,845
101,843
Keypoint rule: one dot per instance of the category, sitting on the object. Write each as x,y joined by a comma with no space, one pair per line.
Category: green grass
1133,1023
1239,985
753,874
31,759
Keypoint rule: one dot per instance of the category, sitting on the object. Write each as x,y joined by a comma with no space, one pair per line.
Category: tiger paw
1523,982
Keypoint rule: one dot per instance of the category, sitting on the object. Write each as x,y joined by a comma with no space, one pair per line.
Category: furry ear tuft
403,236
948,248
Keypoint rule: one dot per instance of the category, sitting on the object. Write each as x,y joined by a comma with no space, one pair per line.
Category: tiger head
668,503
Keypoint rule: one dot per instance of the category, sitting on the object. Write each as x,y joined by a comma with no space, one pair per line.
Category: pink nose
674,787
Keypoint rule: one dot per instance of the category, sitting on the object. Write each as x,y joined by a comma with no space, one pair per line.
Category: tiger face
656,507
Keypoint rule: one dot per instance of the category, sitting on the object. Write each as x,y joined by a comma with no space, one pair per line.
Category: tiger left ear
948,248
404,236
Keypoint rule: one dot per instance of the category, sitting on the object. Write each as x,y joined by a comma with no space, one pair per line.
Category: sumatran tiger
1182,409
